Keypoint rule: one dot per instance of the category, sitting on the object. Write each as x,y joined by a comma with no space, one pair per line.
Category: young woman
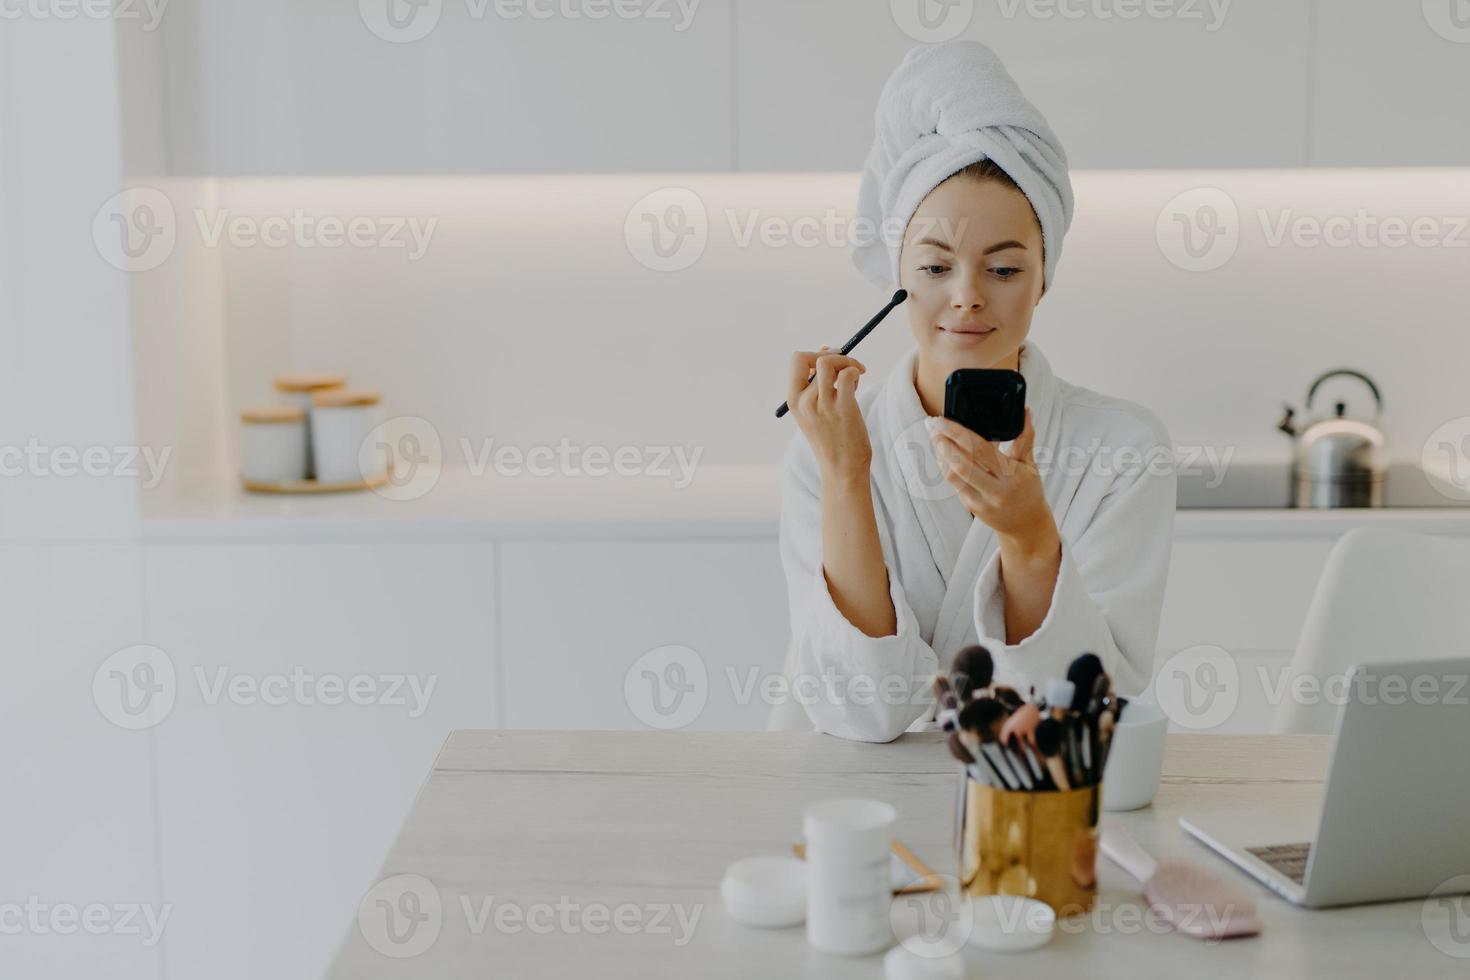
905,536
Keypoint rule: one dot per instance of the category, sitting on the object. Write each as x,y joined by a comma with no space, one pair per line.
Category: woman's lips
968,335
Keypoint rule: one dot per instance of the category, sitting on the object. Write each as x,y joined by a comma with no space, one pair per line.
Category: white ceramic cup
1135,757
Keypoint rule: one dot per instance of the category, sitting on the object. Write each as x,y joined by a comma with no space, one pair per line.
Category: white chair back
1384,596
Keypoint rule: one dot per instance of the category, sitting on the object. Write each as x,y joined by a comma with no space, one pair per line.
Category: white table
560,829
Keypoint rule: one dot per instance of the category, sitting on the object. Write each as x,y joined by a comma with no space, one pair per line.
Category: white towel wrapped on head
945,107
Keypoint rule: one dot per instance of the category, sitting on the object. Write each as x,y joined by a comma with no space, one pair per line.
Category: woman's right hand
828,414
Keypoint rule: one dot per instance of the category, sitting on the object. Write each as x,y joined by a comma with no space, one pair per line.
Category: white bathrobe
1107,468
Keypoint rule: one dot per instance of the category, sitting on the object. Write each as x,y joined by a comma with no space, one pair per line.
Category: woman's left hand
1002,489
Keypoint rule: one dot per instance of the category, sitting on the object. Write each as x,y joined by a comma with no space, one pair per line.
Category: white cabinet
79,788
632,634
1186,90
277,87
298,736
1391,83
284,87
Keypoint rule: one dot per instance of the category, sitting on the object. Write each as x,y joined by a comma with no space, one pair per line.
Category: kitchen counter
720,502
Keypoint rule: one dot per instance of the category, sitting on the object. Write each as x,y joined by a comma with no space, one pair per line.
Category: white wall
78,821
529,319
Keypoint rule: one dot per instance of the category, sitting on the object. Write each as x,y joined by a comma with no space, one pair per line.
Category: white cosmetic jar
849,885
273,444
298,390
341,421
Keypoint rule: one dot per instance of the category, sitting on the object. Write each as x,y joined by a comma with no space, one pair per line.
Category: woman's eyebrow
935,242
997,247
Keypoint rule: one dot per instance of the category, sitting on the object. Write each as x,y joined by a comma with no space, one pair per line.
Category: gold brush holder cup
1040,845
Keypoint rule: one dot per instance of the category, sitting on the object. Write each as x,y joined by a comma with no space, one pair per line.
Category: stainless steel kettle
1339,459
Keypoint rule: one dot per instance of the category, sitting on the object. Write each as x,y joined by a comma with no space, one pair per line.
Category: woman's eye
933,270
1006,272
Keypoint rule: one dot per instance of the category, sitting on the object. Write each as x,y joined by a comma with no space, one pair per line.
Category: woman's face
972,264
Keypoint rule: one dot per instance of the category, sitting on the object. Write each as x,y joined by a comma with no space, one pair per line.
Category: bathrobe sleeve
852,685
1110,586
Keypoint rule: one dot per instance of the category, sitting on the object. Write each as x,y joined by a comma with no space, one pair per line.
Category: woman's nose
968,297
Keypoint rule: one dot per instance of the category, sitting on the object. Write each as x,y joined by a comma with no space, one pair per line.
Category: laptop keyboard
1289,859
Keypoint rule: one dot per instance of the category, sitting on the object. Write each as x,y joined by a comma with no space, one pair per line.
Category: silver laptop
1394,822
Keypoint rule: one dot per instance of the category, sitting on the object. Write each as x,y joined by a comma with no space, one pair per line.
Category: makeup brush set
1057,742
